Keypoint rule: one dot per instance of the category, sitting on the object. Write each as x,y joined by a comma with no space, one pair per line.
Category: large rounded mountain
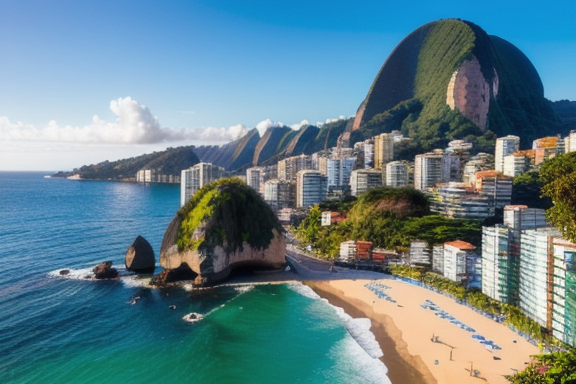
449,80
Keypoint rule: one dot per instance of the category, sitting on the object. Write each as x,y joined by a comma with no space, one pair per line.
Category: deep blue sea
56,329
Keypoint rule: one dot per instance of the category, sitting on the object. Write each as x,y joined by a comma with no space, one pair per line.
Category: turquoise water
71,330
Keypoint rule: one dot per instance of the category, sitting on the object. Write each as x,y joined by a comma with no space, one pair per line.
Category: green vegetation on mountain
230,213
567,112
419,71
271,143
388,217
169,162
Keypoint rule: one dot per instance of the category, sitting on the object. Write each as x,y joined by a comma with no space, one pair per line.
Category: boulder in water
105,271
140,256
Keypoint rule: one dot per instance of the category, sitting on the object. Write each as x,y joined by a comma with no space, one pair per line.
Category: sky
91,80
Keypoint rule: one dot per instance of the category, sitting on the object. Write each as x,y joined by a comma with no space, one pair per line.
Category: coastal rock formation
105,271
226,225
140,256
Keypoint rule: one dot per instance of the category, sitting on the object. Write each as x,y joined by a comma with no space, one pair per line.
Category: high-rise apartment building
289,167
501,251
504,147
428,170
383,150
363,180
536,274
460,200
564,291
518,162
460,262
368,154
396,174
311,188
496,185
279,194
338,172
255,179
195,177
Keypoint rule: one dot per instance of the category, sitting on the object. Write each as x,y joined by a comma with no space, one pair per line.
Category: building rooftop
460,245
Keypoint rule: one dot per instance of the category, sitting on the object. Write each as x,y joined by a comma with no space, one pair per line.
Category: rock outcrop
226,225
140,256
105,271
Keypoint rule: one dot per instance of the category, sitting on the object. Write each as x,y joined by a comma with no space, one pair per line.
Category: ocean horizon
72,329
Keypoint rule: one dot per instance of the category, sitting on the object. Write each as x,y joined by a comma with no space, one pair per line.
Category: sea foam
359,329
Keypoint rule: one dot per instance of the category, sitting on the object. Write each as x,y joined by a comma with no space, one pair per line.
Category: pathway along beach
419,345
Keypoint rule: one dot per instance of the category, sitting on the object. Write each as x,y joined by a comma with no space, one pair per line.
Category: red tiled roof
460,245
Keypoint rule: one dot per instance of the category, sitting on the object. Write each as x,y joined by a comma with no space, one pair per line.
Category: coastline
405,330
402,367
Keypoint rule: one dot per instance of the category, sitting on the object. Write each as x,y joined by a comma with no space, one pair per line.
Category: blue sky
93,80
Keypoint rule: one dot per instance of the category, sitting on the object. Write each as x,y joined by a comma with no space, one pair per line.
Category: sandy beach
420,346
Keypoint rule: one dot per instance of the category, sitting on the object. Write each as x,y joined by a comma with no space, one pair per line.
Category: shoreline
402,367
406,332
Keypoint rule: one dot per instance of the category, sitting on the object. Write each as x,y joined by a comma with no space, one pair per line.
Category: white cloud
299,125
134,124
264,125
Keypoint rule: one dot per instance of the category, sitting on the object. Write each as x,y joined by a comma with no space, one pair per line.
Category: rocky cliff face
226,225
470,93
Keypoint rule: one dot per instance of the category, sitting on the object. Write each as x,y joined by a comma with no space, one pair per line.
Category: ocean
69,329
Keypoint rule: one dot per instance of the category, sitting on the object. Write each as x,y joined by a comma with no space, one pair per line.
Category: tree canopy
559,178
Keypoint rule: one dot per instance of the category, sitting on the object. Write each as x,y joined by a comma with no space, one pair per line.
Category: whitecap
359,329
354,365
135,281
73,274
304,290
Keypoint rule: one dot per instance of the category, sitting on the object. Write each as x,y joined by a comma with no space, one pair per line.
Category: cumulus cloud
264,125
134,124
328,121
299,125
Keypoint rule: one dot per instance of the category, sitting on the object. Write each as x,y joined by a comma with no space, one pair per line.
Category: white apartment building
311,188
363,180
534,277
195,177
456,259
515,164
427,170
289,167
504,147
396,174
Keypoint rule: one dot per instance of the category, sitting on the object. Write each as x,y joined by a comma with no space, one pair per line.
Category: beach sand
405,330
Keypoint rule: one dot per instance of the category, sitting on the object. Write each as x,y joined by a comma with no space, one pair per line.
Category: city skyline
92,81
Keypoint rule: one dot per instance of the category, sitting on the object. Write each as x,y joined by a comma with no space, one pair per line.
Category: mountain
450,80
567,112
275,144
168,162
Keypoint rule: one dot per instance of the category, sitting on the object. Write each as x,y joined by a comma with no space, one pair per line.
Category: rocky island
225,226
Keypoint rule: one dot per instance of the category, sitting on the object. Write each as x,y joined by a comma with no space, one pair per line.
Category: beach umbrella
478,337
